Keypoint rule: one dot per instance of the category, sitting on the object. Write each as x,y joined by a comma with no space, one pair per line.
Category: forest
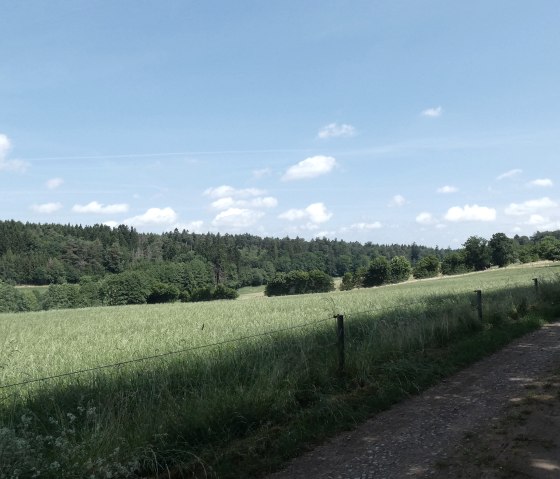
100,265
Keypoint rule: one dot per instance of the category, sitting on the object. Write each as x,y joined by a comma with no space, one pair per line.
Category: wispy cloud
229,191
54,183
46,208
261,173
259,202
397,200
18,166
542,183
364,226
237,218
310,168
530,207
334,130
98,208
509,174
432,112
470,213
447,189
425,218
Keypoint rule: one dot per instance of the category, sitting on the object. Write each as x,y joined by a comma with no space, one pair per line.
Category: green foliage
12,300
162,293
427,267
223,292
299,282
549,248
61,296
454,263
377,273
202,294
477,253
399,269
347,282
129,287
501,249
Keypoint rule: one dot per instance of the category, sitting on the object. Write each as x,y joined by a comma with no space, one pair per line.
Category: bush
162,293
377,273
399,269
427,267
454,263
61,296
202,294
299,282
223,292
11,300
130,287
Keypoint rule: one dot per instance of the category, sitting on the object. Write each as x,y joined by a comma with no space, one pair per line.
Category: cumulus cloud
229,191
98,208
315,213
18,166
470,213
398,200
46,208
259,202
425,218
334,130
310,168
237,218
153,216
509,174
447,189
530,207
54,183
366,226
432,112
542,182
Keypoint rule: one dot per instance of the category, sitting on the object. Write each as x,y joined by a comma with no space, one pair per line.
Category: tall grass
206,411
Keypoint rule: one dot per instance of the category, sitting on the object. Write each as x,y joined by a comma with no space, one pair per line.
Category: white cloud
425,218
46,208
237,218
334,130
366,226
470,213
310,168
433,112
196,226
98,208
537,220
229,191
229,202
152,216
447,189
398,200
530,207
542,182
263,172
54,183
18,166
111,224
316,213
509,174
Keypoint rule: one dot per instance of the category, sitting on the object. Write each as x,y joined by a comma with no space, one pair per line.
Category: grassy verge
240,409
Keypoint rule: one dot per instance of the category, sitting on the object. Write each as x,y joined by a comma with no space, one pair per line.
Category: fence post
479,303
536,281
340,341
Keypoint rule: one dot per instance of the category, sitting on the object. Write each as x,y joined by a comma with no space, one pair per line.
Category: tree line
98,265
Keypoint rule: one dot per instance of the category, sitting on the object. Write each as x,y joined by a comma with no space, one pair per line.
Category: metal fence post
340,341
479,303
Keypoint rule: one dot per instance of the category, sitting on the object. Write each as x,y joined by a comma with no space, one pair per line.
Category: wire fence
340,338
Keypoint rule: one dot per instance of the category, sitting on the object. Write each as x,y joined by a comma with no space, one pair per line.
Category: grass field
214,408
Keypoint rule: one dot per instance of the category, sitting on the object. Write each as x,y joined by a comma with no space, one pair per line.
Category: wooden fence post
536,281
340,341
479,303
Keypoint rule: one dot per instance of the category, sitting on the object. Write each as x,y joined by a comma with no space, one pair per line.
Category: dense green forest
99,265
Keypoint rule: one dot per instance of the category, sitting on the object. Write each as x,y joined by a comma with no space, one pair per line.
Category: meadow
256,378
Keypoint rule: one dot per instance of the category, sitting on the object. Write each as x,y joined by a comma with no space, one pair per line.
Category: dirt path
427,436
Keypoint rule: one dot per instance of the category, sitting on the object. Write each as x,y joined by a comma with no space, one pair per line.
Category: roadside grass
241,408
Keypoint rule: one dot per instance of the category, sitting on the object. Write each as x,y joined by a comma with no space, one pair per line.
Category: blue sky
383,121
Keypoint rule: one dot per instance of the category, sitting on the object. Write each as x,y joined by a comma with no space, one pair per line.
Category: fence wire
161,355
